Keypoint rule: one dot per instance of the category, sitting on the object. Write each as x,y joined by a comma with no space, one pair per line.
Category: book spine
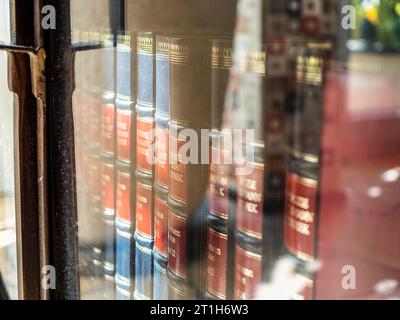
95,104
123,277
160,251
107,147
300,231
125,187
300,210
108,112
249,229
219,277
126,97
302,177
248,268
187,181
145,109
250,215
93,155
108,198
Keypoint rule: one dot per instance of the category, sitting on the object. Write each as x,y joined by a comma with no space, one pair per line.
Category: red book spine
161,225
299,233
248,269
217,255
108,128
144,143
124,195
178,173
177,244
161,168
94,178
249,219
144,218
219,183
124,133
108,186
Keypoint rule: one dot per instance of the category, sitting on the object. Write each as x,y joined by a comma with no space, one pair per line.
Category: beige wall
181,16
89,15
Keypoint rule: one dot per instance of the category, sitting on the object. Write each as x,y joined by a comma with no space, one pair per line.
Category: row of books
166,229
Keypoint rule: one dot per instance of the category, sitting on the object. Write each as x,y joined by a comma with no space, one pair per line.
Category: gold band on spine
143,249
249,254
249,232
218,234
217,294
158,266
145,44
144,186
219,214
309,70
177,216
306,182
312,158
179,53
299,254
256,63
175,288
162,50
221,58
124,39
325,45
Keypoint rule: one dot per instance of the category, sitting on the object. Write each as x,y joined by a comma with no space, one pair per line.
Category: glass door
237,149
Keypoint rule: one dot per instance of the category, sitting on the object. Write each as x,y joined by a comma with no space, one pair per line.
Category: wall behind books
181,16
89,15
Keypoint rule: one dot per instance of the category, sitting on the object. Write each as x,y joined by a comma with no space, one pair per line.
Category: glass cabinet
200,150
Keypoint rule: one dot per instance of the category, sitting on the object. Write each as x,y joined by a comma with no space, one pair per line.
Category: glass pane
8,257
95,219
5,18
239,149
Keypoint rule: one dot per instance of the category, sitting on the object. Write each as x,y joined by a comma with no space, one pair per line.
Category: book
126,188
160,252
190,109
108,83
304,152
107,149
251,218
126,97
300,231
220,238
108,202
95,102
145,124
250,224
124,234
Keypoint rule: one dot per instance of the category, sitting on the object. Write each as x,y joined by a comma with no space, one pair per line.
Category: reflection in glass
8,256
315,193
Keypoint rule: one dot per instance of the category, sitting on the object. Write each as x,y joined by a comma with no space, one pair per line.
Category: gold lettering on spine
221,58
309,70
179,53
145,44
